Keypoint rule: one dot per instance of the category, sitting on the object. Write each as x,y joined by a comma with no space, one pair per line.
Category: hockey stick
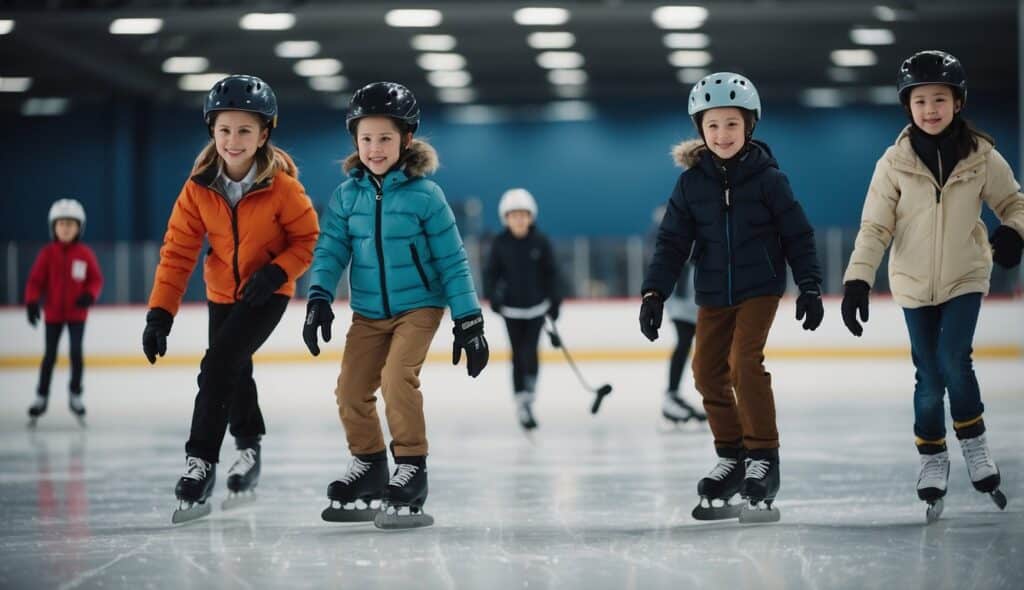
600,392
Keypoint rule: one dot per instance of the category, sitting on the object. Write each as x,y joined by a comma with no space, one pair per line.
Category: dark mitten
318,315
651,309
85,300
154,337
809,304
555,310
262,284
1006,246
32,309
855,299
469,336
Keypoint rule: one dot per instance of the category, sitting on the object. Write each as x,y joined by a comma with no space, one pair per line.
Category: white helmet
67,209
516,199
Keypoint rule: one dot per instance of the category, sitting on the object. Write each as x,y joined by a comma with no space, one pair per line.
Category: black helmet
931,67
239,92
389,99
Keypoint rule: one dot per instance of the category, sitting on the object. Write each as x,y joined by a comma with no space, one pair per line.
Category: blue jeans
940,342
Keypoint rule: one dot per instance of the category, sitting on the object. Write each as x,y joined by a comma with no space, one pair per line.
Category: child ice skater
925,199
244,196
682,309
396,230
735,211
523,285
67,277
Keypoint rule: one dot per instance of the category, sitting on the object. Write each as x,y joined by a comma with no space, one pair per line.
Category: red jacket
62,273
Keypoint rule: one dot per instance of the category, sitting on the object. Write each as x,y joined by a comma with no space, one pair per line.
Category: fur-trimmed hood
420,160
686,154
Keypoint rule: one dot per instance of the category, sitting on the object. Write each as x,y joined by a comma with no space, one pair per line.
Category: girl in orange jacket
244,196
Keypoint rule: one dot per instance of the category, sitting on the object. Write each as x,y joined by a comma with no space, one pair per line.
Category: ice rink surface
586,502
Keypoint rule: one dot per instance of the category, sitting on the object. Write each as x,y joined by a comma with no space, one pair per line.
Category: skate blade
999,498
759,513
717,513
237,500
349,514
193,512
934,511
32,422
394,521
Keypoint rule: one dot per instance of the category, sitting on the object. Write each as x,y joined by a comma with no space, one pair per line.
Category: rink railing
592,267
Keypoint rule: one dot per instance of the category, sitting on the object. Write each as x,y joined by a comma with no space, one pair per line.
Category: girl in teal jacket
396,230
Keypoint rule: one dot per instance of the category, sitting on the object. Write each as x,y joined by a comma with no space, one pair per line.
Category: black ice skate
676,411
724,482
405,495
193,489
77,407
981,467
524,410
760,485
242,479
933,478
37,409
356,497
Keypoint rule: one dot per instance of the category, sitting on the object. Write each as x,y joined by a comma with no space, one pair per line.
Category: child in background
925,198
407,262
243,194
682,310
734,215
522,283
68,277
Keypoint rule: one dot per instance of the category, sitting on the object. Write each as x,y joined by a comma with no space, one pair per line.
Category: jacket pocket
419,266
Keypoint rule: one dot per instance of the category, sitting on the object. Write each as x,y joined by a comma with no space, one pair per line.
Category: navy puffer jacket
740,225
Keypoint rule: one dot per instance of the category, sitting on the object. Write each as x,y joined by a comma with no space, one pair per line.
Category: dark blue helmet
389,99
239,92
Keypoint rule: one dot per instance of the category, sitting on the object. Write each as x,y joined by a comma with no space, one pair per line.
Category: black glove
809,304
855,299
554,310
85,300
318,315
154,337
32,308
1006,246
651,308
556,340
262,284
469,335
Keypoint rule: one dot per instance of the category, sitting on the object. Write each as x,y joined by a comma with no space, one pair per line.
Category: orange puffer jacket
273,223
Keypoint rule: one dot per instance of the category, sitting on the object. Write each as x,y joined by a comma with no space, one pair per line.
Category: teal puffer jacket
399,235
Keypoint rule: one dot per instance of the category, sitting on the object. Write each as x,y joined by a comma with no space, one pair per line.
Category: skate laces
403,473
976,453
245,462
934,467
195,468
723,469
757,468
356,469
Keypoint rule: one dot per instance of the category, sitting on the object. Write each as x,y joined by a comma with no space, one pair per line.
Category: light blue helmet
724,89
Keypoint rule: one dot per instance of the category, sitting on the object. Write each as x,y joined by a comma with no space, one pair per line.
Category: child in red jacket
68,277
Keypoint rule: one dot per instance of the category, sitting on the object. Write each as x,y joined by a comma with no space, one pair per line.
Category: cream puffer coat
940,246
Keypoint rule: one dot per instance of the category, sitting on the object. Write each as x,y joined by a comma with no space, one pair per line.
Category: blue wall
127,161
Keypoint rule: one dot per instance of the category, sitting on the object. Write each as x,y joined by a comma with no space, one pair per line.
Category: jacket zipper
379,242
728,236
936,244
234,263
234,229
419,266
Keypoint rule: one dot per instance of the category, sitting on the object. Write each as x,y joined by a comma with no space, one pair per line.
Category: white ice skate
37,409
77,407
932,482
242,479
982,468
675,412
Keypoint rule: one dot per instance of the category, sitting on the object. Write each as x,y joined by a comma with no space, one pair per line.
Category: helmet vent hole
732,95
718,81
707,97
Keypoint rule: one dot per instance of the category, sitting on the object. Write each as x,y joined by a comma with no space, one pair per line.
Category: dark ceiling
784,46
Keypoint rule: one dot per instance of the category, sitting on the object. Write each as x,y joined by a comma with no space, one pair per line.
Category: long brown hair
270,159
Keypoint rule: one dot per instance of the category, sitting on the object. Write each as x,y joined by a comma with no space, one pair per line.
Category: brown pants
729,355
388,354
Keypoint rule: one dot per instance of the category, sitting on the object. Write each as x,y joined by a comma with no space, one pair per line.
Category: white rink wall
592,329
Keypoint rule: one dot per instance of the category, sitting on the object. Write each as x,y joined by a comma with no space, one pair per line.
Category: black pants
227,392
524,336
53,331
684,331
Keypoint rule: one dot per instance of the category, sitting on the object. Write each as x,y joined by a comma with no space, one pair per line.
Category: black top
522,272
740,244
